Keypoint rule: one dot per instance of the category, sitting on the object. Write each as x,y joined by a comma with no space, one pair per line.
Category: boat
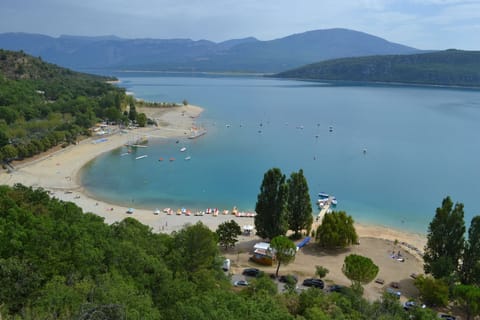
172,159
141,157
188,158
160,159
156,212
183,149
323,195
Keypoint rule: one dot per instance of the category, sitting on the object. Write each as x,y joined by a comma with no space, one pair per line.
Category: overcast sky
424,24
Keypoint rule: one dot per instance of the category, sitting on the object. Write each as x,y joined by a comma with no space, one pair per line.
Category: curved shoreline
59,173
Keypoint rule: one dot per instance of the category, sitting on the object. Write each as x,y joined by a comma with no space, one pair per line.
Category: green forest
43,105
57,262
448,68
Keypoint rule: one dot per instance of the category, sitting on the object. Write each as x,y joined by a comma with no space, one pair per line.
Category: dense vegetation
57,262
450,68
43,105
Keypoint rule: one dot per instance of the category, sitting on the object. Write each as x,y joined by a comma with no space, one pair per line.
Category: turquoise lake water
422,143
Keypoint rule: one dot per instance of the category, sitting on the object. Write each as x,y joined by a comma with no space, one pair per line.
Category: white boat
141,157
188,158
183,149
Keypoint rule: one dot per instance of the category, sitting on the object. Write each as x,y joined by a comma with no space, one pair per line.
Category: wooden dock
321,214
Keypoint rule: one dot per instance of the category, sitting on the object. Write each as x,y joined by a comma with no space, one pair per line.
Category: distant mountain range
449,67
239,55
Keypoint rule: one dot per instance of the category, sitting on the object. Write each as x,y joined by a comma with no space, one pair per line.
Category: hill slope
240,55
43,106
450,67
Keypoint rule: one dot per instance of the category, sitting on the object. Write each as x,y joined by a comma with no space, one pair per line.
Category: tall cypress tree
470,272
445,240
299,205
271,206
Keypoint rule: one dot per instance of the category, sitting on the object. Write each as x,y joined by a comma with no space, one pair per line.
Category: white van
226,265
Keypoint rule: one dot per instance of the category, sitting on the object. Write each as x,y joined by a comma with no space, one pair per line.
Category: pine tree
445,240
299,205
271,207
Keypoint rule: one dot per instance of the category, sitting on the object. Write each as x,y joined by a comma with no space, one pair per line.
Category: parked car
335,288
226,265
241,283
410,304
285,278
394,292
252,272
316,283
446,316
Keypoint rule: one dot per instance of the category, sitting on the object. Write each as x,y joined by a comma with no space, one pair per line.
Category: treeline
57,262
43,105
449,68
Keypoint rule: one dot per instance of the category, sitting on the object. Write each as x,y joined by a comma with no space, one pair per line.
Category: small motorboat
160,159
188,158
183,149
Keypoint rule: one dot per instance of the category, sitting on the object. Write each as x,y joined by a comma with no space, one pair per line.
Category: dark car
286,278
252,272
336,288
447,317
316,283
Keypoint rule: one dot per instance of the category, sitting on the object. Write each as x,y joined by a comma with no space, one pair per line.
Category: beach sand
58,172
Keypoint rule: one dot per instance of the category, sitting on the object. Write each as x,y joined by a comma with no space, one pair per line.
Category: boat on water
141,157
188,158
160,159
326,199
172,159
323,195
183,149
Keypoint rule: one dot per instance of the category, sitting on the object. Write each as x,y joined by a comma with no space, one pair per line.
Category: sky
423,24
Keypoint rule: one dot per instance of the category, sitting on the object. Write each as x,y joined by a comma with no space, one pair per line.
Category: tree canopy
43,105
227,233
470,269
299,206
57,262
336,231
284,249
445,240
271,207
359,269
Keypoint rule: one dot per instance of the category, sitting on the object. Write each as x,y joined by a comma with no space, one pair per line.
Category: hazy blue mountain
238,55
449,67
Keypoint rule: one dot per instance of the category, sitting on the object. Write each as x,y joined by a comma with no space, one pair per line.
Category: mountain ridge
235,55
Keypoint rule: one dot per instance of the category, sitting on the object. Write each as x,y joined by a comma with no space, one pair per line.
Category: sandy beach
58,172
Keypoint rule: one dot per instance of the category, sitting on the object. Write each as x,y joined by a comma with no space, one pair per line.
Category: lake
389,154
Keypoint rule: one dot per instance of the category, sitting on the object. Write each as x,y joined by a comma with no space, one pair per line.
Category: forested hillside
43,105
450,67
57,262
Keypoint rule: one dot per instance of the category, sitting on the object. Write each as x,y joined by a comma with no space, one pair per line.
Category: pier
324,210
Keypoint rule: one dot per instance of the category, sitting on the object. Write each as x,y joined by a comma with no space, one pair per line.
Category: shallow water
393,154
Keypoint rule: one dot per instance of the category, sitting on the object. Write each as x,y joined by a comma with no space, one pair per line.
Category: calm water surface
421,145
